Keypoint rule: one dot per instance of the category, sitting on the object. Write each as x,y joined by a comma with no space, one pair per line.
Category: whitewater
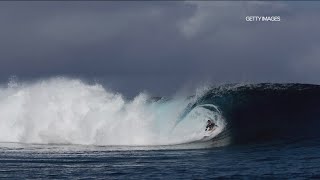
70,111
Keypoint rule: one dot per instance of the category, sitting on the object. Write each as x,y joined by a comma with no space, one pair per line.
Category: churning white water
69,111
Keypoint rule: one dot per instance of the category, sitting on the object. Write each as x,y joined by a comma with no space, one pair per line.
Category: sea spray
69,111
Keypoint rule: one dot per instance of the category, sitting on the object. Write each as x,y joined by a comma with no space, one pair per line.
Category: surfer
210,125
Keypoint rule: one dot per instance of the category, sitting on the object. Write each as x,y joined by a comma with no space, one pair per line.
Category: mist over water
69,111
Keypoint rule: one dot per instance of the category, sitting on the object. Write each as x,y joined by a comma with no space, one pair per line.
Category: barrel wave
69,111
267,112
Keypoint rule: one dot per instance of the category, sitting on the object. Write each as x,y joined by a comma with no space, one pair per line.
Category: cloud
160,46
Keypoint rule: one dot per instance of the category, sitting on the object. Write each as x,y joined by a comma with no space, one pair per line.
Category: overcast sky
160,47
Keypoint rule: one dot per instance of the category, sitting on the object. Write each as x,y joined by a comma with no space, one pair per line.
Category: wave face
68,111
261,112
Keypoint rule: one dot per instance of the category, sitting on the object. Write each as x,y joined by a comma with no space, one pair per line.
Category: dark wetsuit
210,125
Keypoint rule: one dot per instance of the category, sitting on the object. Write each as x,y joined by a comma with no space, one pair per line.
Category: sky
160,47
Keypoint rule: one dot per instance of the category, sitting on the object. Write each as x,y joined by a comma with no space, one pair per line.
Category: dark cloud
160,46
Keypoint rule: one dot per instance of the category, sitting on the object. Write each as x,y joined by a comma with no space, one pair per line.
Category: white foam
68,111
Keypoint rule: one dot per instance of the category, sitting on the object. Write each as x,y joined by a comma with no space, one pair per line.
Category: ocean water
281,160
64,128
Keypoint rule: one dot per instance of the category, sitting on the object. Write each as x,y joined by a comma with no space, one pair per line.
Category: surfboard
209,134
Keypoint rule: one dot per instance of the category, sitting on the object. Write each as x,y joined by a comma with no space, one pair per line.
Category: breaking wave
266,112
69,111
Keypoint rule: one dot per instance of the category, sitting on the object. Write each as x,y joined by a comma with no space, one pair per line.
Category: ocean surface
66,129
278,160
